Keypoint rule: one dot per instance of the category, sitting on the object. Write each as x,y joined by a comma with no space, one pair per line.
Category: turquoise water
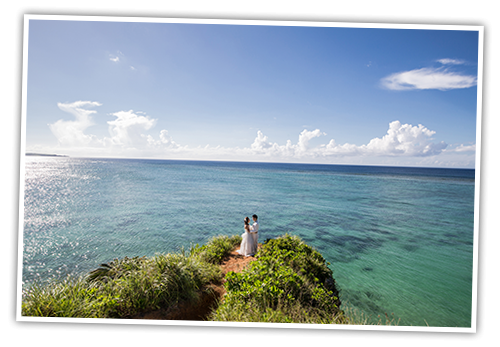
399,240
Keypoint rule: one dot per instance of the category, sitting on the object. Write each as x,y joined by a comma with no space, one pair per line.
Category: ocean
398,239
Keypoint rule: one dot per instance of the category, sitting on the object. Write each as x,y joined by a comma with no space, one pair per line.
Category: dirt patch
214,293
235,262
199,310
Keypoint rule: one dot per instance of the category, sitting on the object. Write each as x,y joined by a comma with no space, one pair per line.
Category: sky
267,93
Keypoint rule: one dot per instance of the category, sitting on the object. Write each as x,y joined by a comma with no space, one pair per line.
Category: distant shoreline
45,155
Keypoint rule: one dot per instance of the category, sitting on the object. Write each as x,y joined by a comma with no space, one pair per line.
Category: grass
128,286
216,249
290,282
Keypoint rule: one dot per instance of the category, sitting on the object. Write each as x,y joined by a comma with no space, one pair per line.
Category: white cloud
128,128
263,147
332,149
115,59
403,144
447,61
405,140
71,133
401,140
129,131
165,141
463,148
304,138
428,78
260,143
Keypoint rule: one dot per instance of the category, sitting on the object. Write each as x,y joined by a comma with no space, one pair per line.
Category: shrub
289,282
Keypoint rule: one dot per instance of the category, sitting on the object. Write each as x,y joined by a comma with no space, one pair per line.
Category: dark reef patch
410,248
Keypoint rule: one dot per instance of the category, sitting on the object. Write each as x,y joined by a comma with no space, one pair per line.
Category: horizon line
241,161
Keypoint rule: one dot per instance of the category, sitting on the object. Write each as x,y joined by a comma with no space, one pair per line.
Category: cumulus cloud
428,78
71,133
130,136
333,149
405,140
302,148
165,141
260,143
401,140
306,136
128,129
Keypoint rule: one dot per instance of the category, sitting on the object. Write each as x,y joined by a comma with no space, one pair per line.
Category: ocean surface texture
399,240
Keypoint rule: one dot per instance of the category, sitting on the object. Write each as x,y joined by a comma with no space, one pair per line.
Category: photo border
255,329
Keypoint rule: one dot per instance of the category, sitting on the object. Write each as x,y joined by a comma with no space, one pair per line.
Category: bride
247,242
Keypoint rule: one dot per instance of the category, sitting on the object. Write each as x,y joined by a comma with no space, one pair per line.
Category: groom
254,231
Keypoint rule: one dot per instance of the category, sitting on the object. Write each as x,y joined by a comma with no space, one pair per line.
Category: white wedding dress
247,247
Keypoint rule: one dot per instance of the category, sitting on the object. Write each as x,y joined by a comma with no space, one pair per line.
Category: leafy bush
301,257
289,282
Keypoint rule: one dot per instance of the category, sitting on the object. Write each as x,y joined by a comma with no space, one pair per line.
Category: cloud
463,148
165,141
447,61
405,140
428,78
130,136
262,146
260,143
127,130
401,140
115,59
306,136
71,133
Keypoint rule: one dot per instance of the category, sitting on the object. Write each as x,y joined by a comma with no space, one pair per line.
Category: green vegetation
125,287
289,282
216,249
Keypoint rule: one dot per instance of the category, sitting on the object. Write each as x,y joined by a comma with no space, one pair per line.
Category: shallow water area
399,240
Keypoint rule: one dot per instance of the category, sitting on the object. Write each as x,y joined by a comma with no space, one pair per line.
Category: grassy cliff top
287,281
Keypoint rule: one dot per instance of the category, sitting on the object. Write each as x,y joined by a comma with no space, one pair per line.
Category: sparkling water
399,240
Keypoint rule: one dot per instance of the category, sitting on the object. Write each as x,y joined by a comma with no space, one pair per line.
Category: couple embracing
248,246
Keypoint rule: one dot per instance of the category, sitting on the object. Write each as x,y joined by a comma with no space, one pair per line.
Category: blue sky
252,93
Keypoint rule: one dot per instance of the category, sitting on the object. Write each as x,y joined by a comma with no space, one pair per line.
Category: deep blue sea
399,240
